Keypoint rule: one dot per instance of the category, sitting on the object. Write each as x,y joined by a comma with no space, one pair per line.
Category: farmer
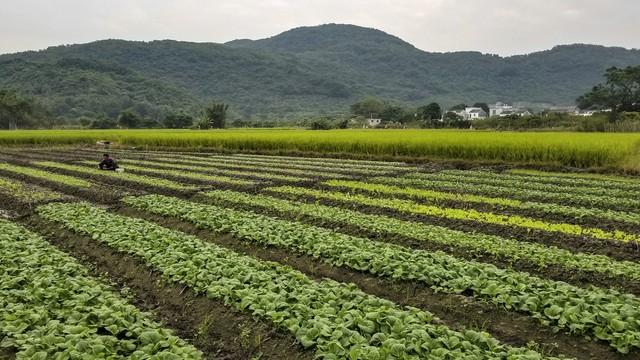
108,163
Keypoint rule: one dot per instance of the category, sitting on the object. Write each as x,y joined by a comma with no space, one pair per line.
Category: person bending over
108,163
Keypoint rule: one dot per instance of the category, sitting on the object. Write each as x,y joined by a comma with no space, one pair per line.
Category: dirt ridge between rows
456,311
219,330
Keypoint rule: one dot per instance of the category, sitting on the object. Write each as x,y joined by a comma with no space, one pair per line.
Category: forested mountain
304,71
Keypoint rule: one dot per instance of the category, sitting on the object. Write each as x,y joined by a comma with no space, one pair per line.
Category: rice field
220,255
580,150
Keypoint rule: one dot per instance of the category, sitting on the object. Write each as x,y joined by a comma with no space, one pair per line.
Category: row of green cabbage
255,174
554,175
154,169
374,164
597,188
293,164
45,175
125,176
50,308
493,187
509,249
401,186
603,313
27,193
413,207
572,178
214,164
339,321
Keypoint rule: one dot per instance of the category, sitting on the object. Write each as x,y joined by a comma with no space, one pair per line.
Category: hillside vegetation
304,71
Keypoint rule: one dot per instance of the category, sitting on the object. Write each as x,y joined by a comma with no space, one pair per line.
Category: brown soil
554,272
614,249
456,311
218,330
605,224
7,353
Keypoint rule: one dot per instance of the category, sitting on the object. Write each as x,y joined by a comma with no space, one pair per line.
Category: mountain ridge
305,71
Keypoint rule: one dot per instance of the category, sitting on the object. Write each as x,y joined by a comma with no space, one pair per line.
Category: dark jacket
108,164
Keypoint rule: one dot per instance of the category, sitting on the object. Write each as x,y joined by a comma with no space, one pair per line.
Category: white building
475,113
499,108
471,113
502,110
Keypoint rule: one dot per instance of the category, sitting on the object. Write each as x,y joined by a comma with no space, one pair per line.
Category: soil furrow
218,330
456,311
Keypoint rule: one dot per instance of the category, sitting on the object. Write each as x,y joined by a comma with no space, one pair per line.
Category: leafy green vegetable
515,290
45,175
508,248
337,319
158,182
414,207
50,308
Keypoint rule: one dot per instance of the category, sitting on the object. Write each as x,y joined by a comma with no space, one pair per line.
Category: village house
475,113
471,113
499,108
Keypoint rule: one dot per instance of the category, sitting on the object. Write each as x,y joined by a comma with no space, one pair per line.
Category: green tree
216,114
483,106
203,123
433,111
103,122
177,121
128,120
620,92
450,116
368,107
392,113
320,124
13,109
458,107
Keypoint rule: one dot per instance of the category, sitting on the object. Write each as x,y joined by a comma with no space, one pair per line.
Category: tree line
22,112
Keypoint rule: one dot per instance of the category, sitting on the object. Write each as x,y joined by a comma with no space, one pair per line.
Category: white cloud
493,26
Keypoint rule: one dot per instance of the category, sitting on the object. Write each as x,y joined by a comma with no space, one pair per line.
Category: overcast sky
504,27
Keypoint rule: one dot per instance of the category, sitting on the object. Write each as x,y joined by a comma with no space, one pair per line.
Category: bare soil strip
456,311
218,330
614,249
554,272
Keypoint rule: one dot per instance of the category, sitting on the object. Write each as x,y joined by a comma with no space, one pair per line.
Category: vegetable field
240,256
